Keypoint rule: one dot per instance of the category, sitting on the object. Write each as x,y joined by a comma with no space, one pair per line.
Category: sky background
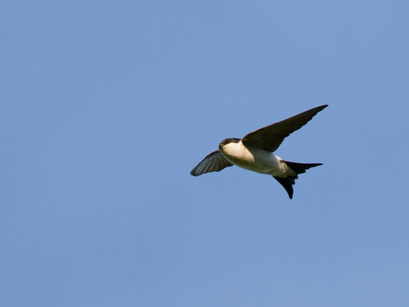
106,106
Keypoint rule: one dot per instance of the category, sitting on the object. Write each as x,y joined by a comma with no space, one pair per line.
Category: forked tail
298,168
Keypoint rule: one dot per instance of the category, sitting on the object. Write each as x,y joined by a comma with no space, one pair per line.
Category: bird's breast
254,159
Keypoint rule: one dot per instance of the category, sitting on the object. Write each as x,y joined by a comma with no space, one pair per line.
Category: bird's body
254,159
255,152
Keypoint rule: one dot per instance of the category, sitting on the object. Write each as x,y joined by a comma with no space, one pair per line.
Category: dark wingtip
320,108
194,173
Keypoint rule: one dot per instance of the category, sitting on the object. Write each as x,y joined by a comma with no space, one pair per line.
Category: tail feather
298,168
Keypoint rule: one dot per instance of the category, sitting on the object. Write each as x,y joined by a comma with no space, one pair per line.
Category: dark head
227,141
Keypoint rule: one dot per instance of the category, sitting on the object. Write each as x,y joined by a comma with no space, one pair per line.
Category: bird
255,152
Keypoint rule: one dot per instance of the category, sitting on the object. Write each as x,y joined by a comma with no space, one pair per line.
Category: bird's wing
272,136
213,162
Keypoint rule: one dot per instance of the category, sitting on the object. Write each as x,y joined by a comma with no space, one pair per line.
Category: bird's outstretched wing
272,136
213,162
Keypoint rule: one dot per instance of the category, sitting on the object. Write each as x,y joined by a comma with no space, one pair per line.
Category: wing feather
213,162
272,136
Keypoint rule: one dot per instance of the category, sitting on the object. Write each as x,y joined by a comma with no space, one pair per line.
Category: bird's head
228,141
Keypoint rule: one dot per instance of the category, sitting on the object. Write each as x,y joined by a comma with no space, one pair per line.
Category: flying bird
254,152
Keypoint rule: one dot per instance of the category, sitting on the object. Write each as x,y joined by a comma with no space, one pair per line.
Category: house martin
255,152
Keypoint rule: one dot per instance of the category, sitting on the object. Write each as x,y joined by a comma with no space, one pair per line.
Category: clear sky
106,106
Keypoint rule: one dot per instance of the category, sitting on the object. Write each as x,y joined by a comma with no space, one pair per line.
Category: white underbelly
254,159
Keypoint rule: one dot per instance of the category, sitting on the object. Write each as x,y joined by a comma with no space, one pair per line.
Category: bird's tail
298,168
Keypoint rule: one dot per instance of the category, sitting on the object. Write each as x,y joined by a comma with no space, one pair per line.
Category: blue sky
106,106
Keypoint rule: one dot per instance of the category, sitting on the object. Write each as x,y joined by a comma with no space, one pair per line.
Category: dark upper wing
272,136
213,162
